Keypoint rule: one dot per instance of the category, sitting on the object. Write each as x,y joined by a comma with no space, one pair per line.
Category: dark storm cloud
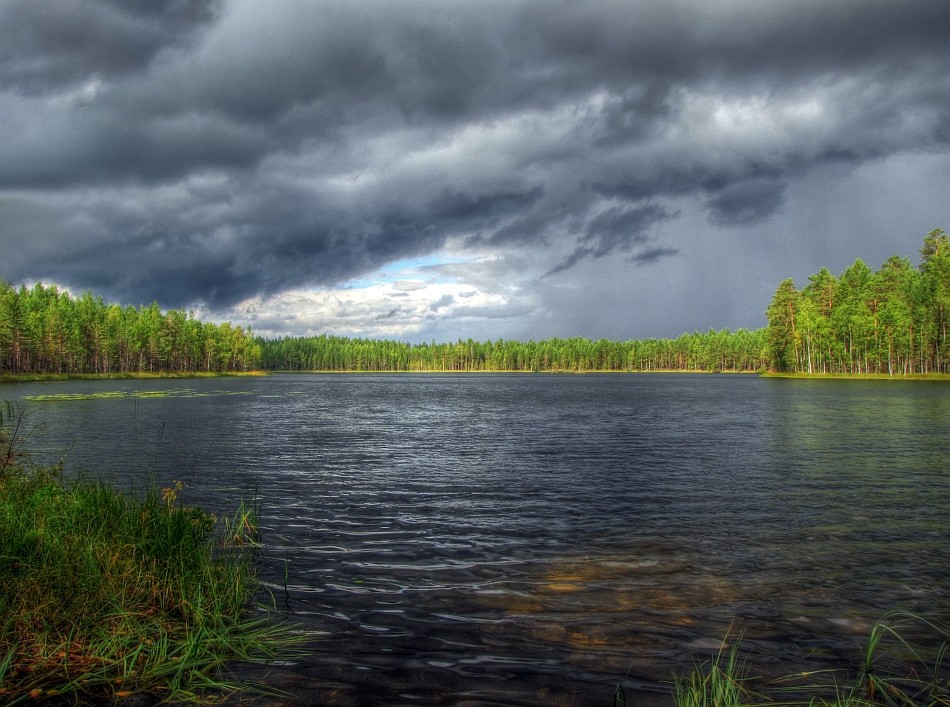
97,148
207,245
652,255
622,228
616,229
208,152
45,45
745,203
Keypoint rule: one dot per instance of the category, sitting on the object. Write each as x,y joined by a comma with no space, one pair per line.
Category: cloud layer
254,160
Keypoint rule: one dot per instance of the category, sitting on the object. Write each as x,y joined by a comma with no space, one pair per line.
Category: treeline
741,350
891,321
44,330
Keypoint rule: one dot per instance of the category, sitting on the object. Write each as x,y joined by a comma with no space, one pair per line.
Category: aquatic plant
894,672
146,394
720,682
897,672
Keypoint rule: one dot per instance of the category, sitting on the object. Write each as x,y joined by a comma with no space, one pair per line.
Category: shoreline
940,377
57,377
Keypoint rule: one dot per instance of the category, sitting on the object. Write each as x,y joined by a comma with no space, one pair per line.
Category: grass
721,682
893,672
6,377
106,596
861,376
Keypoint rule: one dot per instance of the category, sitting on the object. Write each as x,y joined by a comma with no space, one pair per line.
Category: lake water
537,539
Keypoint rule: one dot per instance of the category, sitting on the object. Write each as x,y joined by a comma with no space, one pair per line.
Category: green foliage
783,335
741,350
721,682
43,330
106,595
892,321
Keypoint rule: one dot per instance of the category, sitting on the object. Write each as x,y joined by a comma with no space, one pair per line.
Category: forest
892,321
44,330
741,350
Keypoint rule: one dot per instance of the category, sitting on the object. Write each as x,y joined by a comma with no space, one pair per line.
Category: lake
538,539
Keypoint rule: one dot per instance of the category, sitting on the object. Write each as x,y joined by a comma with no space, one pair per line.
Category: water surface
536,539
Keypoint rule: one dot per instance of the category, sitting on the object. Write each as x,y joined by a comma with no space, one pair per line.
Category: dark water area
538,539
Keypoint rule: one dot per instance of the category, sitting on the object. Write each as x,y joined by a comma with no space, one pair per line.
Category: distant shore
52,377
673,371
43,377
861,376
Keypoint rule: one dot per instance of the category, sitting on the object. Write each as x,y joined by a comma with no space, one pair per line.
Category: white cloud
400,305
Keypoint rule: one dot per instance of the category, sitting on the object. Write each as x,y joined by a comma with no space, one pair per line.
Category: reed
106,595
894,672
720,682
897,672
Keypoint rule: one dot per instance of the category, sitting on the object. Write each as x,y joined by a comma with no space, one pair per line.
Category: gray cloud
652,255
618,228
443,301
209,152
745,203
47,46
623,227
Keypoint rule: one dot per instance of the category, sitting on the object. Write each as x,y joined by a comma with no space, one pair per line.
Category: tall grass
898,672
105,595
894,672
720,682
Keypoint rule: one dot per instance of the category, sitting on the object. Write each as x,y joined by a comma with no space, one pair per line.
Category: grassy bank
862,376
516,372
107,596
43,377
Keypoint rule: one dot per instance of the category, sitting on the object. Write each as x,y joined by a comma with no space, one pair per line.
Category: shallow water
536,539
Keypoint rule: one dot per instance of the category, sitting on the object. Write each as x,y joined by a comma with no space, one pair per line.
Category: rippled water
536,539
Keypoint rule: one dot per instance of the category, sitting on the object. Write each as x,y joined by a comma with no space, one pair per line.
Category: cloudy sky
436,169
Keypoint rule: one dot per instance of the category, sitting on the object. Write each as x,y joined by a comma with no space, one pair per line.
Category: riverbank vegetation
106,596
895,670
931,376
893,322
140,375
